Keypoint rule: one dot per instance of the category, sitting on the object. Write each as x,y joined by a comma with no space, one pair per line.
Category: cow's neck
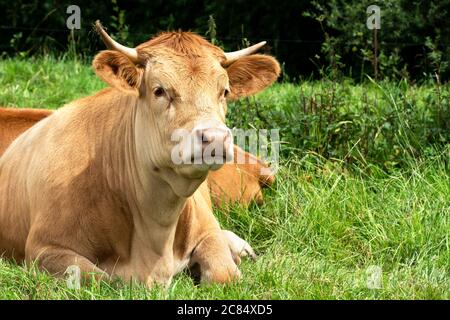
155,204
139,192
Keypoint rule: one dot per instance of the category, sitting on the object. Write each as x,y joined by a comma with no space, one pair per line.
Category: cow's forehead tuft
195,72
185,43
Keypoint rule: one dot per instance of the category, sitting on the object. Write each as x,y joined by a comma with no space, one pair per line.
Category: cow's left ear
118,71
251,74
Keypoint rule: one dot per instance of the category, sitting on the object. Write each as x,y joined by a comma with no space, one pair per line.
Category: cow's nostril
213,134
205,138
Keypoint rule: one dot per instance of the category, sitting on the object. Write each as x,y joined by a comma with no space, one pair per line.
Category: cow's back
14,121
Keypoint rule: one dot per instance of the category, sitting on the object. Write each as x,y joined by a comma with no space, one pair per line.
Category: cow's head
183,83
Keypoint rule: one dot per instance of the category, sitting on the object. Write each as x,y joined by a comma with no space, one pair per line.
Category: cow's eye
225,93
159,92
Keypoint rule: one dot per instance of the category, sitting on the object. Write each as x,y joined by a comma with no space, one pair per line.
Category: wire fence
299,56
251,39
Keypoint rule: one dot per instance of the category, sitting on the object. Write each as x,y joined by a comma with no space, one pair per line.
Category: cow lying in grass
233,183
95,185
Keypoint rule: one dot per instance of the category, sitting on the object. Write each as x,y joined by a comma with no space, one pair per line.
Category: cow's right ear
118,71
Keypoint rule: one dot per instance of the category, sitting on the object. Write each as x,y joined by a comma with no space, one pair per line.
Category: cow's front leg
239,247
58,260
213,257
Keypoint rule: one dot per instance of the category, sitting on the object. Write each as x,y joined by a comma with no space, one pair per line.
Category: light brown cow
233,183
95,184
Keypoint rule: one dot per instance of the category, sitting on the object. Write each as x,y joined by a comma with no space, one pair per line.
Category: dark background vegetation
308,37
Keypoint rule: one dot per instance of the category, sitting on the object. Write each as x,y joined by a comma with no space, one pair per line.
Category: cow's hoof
151,282
239,247
222,274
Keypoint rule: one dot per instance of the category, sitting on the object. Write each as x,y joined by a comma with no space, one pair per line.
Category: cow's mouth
196,171
213,160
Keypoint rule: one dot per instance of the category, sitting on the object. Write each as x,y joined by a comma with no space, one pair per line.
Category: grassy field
325,226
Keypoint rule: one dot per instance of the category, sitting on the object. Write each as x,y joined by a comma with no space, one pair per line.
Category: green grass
323,225
45,83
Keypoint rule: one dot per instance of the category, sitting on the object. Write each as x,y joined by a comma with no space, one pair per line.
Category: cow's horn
233,56
111,44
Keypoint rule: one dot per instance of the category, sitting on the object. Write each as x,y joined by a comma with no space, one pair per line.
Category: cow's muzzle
207,145
212,146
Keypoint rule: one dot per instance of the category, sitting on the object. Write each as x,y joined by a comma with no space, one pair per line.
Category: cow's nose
219,137
210,135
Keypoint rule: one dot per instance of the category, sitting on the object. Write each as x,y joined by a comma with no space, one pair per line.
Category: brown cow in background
14,122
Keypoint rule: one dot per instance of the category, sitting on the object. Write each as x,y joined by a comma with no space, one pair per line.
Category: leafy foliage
414,36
